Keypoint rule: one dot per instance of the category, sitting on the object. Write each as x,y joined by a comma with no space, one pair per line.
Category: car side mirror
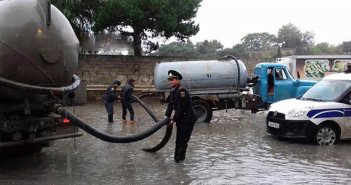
347,100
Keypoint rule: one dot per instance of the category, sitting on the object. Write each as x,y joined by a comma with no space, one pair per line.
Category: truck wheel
203,111
326,135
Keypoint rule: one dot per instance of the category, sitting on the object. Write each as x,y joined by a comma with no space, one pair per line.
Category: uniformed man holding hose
184,115
126,99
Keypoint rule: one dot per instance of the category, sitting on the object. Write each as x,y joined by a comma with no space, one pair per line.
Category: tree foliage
346,47
324,48
148,19
291,37
238,50
80,13
259,41
186,49
208,48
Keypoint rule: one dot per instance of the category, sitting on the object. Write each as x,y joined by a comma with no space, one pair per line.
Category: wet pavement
233,149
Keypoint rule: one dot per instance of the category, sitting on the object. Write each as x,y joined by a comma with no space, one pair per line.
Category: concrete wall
98,71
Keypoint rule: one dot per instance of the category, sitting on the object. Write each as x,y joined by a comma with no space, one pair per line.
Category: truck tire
326,135
203,111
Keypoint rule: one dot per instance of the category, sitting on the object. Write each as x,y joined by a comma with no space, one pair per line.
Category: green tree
290,36
148,19
80,13
186,49
209,48
259,41
325,48
346,46
307,41
238,50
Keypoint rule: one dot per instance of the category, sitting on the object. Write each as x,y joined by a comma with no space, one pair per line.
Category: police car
322,114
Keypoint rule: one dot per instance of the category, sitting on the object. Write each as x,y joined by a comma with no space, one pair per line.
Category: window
280,74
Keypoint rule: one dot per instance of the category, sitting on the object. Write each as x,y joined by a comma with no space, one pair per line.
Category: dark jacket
270,80
110,95
179,101
126,93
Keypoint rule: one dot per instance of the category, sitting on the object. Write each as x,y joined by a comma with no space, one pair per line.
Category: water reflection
233,149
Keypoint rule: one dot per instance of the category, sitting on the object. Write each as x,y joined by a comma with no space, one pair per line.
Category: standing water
233,149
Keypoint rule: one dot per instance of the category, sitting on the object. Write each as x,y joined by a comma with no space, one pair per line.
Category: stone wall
98,71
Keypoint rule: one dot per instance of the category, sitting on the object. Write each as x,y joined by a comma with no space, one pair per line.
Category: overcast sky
230,20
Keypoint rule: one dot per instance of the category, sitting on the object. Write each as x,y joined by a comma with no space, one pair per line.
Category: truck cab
275,83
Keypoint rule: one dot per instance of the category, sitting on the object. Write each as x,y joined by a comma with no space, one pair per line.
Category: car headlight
297,113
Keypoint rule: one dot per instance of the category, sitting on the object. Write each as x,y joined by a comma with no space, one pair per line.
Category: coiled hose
59,109
169,127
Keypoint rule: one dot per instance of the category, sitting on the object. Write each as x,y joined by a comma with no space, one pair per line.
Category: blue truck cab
276,83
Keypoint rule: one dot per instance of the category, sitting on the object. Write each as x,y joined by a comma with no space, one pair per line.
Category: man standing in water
110,98
184,116
126,100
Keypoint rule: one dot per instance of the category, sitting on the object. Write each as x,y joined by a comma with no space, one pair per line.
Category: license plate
272,124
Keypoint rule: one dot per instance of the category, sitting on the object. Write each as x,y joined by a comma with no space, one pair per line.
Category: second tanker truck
224,84
38,59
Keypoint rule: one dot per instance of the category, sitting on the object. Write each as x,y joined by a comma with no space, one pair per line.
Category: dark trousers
184,130
125,106
109,109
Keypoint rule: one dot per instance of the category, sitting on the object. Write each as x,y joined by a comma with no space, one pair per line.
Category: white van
322,114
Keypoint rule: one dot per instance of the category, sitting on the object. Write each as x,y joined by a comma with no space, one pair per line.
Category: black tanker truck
38,59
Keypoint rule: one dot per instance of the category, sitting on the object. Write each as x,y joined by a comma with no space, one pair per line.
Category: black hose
164,140
147,109
237,64
39,89
106,137
48,14
59,109
169,127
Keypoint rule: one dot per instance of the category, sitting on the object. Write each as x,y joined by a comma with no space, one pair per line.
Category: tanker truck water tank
37,44
202,75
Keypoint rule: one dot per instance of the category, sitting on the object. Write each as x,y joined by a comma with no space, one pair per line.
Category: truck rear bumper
39,140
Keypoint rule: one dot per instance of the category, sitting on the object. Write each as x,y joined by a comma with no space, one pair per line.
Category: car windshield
327,90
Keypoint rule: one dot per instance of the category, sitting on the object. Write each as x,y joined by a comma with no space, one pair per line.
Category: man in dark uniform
126,100
110,98
184,115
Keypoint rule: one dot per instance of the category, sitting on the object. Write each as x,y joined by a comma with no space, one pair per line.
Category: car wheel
203,111
326,135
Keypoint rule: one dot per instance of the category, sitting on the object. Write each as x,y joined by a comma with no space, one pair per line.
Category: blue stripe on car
328,113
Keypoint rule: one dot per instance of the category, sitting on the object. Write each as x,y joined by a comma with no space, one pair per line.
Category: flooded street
233,149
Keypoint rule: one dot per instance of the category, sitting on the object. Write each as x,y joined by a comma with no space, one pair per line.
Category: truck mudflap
253,102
